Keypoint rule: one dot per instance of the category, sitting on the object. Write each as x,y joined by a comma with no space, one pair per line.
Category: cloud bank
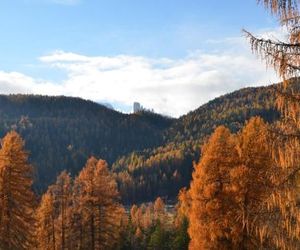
169,86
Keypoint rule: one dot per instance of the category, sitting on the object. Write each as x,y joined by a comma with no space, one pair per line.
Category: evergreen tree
181,238
159,238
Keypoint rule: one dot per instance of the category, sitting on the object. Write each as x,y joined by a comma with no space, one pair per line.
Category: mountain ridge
62,132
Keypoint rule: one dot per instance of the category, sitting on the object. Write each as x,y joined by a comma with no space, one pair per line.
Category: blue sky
52,45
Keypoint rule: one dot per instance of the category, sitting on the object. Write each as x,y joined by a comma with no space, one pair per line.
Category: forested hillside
61,132
231,110
150,154
164,170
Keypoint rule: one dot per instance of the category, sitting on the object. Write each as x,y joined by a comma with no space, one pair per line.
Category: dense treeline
62,133
143,176
150,154
230,188
80,213
233,202
83,213
163,171
230,110
152,226
77,213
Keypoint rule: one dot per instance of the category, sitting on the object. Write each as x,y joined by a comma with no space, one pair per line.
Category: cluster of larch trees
73,214
77,213
151,226
227,201
245,189
81,214
244,193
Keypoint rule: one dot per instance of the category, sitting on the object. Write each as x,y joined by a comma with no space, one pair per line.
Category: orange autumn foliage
102,215
210,223
17,201
230,188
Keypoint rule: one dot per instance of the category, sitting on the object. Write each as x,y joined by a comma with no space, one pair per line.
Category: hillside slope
62,132
164,170
231,110
150,154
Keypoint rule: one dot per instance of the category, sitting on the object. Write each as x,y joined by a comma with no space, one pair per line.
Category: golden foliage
101,213
85,214
183,206
45,235
231,187
210,220
283,229
17,200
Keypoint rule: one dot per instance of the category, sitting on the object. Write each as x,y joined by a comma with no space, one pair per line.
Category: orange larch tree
62,197
45,216
101,211
251,182
211,223
183,206
284,57
17,200
160,211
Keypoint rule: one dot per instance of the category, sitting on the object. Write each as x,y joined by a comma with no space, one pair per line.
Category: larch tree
76,219
62,197
102,213
181,223
160,211
53,216
251,183
45,216
211,223
148,217
17,200
183,206
284,57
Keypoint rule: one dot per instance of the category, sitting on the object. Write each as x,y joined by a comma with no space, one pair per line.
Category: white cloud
170,86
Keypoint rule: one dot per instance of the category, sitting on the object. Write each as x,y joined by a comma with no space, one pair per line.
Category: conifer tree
284,56
62,197
46,236
158,239
209,217
160,211
53,215
17,200
181,222
102,214
182,207
181,237
251,182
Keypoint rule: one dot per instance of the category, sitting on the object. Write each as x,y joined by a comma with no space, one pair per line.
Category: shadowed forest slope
150,154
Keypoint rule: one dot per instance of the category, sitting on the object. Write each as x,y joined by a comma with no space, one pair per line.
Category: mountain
231,110
107,105
62,132
164,170
150,154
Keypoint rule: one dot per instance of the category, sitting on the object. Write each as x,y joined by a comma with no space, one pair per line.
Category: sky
170,55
